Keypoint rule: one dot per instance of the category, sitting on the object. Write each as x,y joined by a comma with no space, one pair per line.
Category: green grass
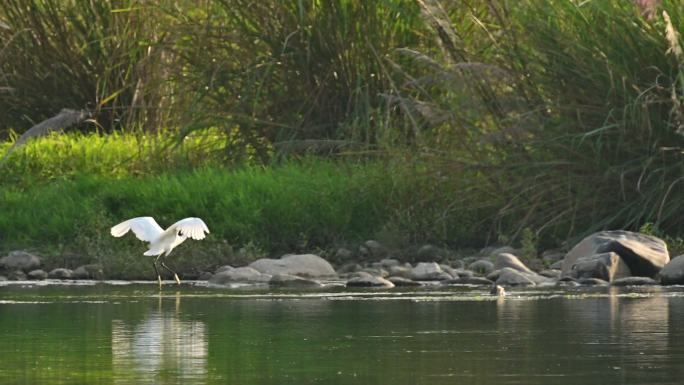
61,194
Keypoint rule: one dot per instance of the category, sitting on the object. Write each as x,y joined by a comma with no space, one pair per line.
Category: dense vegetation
492,118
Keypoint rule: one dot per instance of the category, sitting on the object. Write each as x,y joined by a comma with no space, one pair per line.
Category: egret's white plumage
162,241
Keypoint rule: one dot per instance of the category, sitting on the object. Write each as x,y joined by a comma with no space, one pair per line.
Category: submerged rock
20,260
592,282
645,255
634,281
401,281
240,275
303,265
293,281
468,281
369,281
673,272
60,273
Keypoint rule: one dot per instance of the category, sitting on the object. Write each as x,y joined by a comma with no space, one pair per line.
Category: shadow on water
131,333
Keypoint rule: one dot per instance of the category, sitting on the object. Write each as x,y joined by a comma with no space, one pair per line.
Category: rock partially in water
644,254
244,274
20,260
605,266
634,281
463,273
303,265
482,266
429,271
60,273
511,261
513,277
592,281
368,280
673,272
468,281
293,281
349,268
91,271
402,281
3,278
37,274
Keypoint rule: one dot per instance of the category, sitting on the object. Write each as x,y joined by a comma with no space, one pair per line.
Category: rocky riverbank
619,258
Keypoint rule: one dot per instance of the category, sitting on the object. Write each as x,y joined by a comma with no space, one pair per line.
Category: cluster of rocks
619,258
21,265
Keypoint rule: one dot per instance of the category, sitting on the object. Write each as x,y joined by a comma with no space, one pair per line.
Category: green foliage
100,55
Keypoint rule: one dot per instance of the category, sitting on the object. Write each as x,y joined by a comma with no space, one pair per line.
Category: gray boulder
293,281
462,273
37,274
401,281
550,273
645,255
605,266
91,271
3,278
673,272
20,260
240,275
369,281
482,266
634,281
60,273
303,265
513,277
429,271
557,265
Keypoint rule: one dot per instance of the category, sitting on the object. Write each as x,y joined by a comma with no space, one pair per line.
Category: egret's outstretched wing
191,227
145,228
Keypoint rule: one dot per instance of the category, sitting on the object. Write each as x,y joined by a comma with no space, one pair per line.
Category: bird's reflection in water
160,349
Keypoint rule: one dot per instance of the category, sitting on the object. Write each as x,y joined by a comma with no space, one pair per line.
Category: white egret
162,241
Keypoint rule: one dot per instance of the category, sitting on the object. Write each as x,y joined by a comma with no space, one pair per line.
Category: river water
122,333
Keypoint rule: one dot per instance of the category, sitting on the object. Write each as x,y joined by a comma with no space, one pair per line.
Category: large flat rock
302,265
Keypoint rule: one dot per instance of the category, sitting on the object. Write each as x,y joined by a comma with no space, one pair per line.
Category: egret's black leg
175,276
154,264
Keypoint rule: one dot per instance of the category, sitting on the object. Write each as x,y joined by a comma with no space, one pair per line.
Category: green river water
123,333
